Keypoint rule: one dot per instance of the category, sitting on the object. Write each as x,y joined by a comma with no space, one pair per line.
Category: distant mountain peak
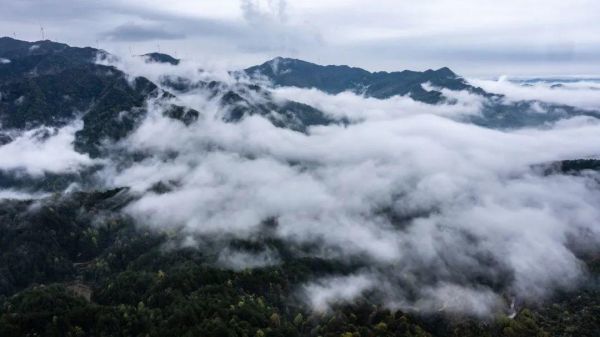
445,71
161,58
282,59
282,65
334,79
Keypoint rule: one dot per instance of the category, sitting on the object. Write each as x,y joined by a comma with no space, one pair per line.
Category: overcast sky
484,38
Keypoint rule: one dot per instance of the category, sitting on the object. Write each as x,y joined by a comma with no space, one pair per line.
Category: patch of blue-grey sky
475,38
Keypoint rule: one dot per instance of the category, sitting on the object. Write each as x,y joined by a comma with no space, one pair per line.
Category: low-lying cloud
44,150
438,214
583,94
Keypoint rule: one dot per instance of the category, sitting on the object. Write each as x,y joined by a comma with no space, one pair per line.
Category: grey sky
473,37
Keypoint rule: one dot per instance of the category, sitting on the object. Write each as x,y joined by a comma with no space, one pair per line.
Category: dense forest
74,266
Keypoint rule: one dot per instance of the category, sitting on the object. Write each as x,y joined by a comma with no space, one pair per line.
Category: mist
43,150
438,214
581,93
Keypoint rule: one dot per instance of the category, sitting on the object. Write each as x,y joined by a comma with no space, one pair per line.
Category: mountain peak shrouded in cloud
51,84
338,78
111,102
161,58
149,195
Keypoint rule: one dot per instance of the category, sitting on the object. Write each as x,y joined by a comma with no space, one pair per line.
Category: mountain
45,83
335,79
161,58
50,84
31,59
243,99
426,87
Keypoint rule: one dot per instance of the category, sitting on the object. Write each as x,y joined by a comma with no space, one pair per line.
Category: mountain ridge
27,65
49,83
161,58
335,79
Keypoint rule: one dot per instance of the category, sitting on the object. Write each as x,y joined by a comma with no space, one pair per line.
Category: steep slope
246,99
50,84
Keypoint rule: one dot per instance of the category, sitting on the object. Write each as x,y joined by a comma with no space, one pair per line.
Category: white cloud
44,150
358,108
239,260
458,299
584,94
20,195
429,204
326,292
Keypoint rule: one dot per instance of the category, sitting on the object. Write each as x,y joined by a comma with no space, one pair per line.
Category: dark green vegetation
161,58
50,84
72,265
496,112
336,79
242,99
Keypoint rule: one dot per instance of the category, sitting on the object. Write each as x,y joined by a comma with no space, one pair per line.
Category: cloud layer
441,214
434,214
44,150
